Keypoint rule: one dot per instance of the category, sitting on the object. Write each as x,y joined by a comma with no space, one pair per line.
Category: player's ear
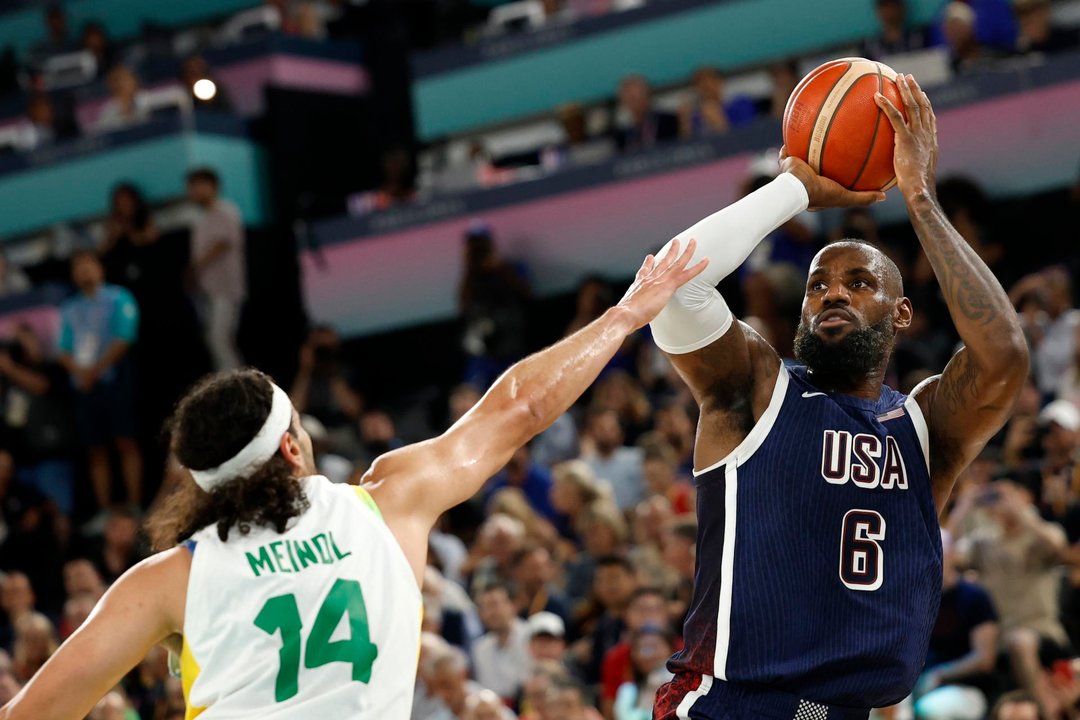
903,314
291,450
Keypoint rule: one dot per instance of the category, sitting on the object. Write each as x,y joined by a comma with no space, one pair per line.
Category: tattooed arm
975,394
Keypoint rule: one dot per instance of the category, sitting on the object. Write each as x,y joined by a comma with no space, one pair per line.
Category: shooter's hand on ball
823,192
915,156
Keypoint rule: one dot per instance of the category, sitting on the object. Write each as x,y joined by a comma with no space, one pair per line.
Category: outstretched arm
728,367
975,394
142,608
416,484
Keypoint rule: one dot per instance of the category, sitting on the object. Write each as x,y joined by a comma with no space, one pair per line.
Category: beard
855,356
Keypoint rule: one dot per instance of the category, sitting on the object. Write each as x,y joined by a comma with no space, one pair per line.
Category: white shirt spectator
1054,353
226,277
503,668
623,469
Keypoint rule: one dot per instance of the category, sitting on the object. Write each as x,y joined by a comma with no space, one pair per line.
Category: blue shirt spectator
90,324
533,480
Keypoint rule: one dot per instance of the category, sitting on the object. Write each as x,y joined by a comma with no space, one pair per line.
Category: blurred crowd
558,593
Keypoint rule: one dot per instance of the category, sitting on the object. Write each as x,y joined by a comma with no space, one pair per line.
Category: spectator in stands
57,40
603,449
896,36
680,551
378,435
547,638
533,480
493,299
603,617
35,642
661,471
323,389
81,577
98,326
118,549
501,656
594,297
647,126
192,70
462,399
577,146
619,391
17,600
963,649
603,531
426,704
13,280
42,129
1060,425
490,557
565,701
146,685
1016,705
709,112
9,684
574,489
114,706
536,592
1017,560
397,185
127,104
76,609
647,608
650,647
675,426
37,414
783,76
219,262
966,52
128,229
1052,328
96,41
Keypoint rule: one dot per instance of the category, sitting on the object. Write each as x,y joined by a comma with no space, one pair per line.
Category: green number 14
281,613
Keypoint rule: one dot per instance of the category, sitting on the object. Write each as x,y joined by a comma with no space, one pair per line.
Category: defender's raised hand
657,281
915,156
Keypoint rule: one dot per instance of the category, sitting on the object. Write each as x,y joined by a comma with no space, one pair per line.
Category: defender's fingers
687,254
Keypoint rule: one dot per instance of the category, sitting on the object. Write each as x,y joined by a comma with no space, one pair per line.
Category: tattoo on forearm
969,287
959,388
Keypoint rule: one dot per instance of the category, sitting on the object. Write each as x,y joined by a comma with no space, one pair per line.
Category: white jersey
321,621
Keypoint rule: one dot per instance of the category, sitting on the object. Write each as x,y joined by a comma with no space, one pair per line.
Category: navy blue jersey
819,554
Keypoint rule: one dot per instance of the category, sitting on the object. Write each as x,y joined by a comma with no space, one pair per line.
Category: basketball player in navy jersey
819,488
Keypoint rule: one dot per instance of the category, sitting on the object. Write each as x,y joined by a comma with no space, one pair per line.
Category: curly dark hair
213,422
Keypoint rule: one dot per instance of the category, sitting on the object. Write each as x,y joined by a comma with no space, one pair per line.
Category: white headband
261,448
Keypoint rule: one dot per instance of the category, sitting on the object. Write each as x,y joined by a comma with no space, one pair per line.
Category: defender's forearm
980,309
550,381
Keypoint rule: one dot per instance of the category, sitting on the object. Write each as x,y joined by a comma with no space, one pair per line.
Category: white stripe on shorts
683,711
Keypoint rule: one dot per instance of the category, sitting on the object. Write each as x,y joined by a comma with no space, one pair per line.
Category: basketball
832,122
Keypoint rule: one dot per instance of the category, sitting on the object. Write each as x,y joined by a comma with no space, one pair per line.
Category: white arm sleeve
696,315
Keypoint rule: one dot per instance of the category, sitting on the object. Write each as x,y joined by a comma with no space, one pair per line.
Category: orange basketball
832,122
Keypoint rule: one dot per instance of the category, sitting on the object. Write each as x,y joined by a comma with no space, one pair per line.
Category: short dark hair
1016,697
685,528
647,590
206,174
893,275
495,586
615,561
213,422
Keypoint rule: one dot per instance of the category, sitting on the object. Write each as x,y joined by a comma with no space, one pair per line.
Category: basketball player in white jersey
286,596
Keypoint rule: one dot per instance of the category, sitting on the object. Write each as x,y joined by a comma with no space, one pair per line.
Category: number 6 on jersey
862,564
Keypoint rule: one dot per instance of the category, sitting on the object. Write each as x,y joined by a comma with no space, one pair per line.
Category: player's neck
867,387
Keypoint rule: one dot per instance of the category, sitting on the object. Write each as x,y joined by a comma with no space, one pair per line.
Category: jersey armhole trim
754,439
366,499
918,420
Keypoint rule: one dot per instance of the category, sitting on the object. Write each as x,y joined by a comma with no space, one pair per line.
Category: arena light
204,89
